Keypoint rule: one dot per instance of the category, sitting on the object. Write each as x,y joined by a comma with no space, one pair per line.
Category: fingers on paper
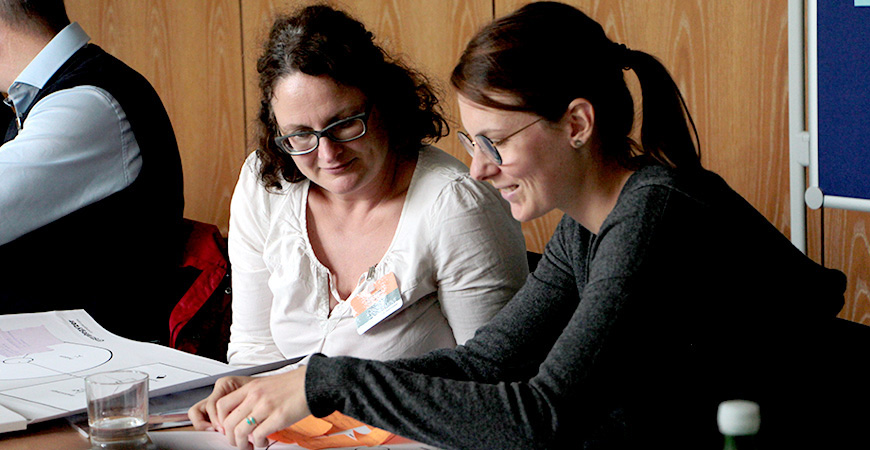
217,407
199,416
230,414
260,434
251,412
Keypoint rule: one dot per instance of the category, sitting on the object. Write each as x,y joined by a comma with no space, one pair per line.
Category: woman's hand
243,407
204,415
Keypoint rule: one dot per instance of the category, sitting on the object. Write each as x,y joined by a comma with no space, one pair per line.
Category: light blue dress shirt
75,148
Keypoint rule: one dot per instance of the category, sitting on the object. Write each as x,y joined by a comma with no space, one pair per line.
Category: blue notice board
843,70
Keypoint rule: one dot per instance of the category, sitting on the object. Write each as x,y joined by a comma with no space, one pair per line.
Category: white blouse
457,254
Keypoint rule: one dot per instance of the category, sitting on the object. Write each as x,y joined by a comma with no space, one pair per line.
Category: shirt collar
25,88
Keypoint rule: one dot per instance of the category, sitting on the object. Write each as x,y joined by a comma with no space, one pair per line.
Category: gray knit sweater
686,297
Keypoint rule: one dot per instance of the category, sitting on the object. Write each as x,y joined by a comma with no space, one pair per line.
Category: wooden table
54,434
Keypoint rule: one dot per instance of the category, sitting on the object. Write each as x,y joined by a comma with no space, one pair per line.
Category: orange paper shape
334,430
306,428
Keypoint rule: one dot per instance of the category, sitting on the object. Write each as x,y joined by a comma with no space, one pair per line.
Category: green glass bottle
739,422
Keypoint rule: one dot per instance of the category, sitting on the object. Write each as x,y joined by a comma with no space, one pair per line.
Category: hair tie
622,56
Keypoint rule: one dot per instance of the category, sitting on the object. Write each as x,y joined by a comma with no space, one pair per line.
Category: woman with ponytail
661,294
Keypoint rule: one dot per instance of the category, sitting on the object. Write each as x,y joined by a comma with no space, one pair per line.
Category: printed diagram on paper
44,358
36,353
32,353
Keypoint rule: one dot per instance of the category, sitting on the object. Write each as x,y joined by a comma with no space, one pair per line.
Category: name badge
375,302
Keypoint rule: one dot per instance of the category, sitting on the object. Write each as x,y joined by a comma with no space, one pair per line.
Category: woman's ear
581,120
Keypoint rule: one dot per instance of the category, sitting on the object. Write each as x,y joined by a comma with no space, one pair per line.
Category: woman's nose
482,168
328,150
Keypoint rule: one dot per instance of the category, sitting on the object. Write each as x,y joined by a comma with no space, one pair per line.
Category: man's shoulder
93,65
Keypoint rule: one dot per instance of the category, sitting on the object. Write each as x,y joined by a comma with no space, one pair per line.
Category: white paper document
44,358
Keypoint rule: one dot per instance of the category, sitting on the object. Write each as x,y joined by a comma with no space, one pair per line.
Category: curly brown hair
319,40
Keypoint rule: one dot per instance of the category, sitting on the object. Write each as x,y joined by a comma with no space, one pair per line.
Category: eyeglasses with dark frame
487,144
344,130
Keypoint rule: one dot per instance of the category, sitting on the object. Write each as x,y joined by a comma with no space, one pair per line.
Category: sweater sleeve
522,375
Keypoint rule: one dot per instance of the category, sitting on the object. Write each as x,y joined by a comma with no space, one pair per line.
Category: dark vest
5,117
114,258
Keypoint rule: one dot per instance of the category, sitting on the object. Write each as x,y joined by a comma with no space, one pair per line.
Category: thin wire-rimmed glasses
487,144
305,142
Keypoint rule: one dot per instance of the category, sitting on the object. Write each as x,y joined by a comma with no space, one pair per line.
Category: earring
578,143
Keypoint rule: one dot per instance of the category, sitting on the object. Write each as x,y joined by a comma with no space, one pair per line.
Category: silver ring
251,421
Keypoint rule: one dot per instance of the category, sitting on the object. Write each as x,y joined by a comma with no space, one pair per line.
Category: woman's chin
525,213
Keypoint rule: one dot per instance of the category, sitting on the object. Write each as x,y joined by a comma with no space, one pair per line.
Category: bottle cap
738,417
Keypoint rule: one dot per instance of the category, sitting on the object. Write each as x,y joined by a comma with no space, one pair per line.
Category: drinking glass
117,408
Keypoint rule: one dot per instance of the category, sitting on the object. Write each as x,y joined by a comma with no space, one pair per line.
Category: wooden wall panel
847,247
191,52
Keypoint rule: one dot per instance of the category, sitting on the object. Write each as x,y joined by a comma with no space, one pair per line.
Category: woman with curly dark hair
349,233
